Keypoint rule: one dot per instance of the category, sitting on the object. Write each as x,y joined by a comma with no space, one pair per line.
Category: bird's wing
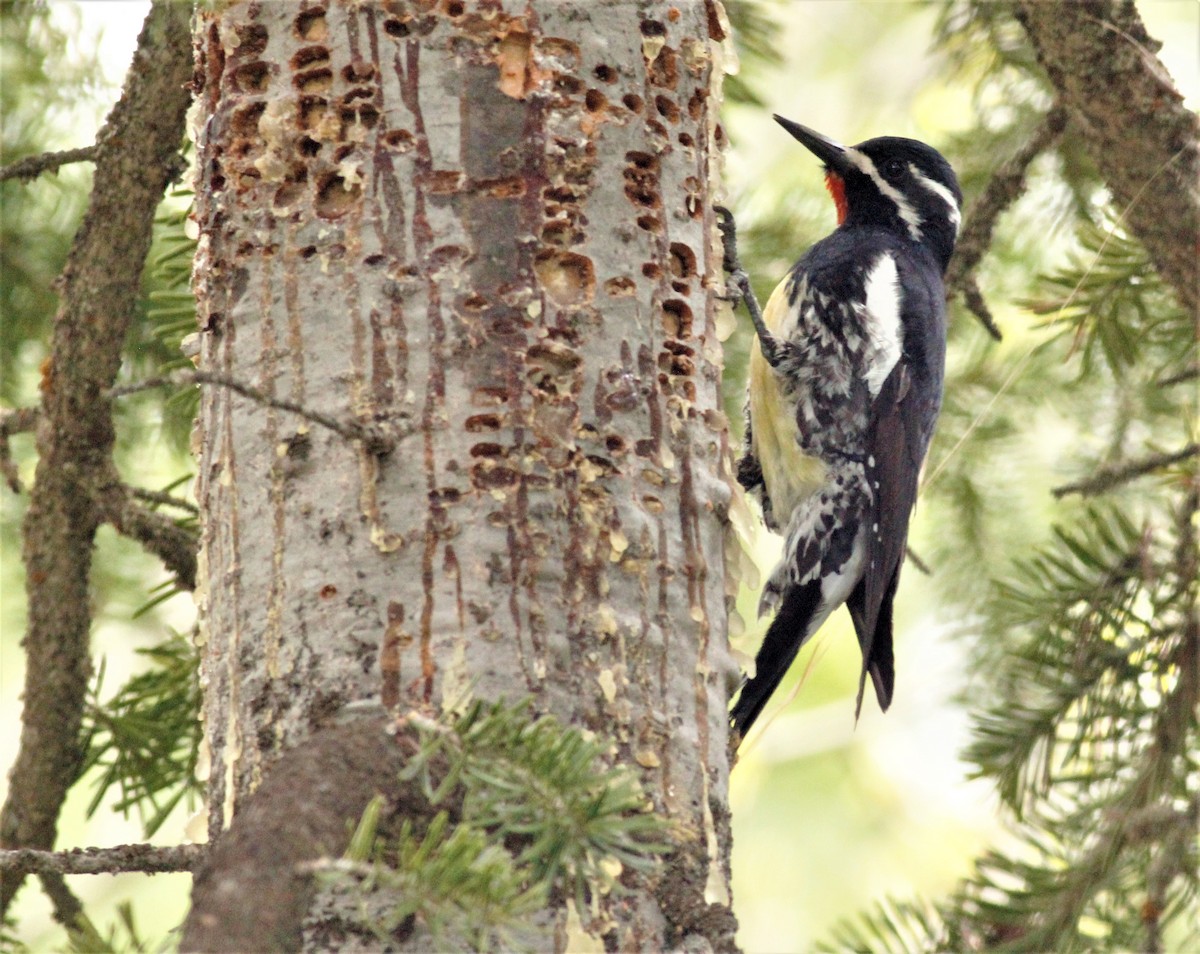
898,433
892,470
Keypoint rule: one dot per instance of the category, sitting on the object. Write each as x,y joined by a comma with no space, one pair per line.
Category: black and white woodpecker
845,385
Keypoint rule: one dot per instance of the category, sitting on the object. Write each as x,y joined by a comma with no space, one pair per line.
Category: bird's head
898,184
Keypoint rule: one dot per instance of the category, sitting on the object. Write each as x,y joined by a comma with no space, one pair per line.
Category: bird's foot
738,287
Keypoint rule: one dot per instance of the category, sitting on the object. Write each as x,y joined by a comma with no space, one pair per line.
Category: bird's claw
738,287
728,229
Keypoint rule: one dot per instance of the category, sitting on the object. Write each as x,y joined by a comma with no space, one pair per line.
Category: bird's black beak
831,153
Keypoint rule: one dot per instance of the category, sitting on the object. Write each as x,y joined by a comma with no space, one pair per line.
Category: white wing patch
882,321
910,216
941,192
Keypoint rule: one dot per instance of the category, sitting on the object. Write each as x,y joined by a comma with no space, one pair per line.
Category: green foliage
455,881
168,313
543,783
895,926
983,42
1111,303
1091,741
540,813
122,937
48,84
145,740
1079,607
362,842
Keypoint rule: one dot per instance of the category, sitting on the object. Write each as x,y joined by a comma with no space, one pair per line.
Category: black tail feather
881,664
784,638
874,631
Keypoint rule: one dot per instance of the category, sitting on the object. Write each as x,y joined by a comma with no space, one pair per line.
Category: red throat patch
837,188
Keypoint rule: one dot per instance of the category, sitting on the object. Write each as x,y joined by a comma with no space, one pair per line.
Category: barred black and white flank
845,387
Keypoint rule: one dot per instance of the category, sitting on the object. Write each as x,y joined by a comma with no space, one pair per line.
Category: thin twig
67,907
1006,185
14,421
33,166
914,558
161,499
148,859
977,305
1109,477
1187,374
373,437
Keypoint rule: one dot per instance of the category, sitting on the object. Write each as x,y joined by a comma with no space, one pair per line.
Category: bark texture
75,481
483,228
1144,141
252,891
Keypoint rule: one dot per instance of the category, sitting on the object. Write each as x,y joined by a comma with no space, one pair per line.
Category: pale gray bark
484,229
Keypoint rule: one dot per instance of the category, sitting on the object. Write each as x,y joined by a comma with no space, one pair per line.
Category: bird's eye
893,168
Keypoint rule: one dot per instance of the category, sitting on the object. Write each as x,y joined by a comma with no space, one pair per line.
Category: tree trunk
476,239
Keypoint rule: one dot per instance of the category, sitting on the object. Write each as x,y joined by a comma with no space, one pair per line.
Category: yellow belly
791,476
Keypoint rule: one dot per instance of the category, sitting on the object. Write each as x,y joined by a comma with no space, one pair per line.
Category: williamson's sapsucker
845,385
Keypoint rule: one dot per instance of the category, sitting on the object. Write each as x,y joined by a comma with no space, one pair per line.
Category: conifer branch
144,739
1133,123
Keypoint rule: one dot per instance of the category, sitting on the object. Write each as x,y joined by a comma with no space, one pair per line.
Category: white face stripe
941,192
882,321
910,216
